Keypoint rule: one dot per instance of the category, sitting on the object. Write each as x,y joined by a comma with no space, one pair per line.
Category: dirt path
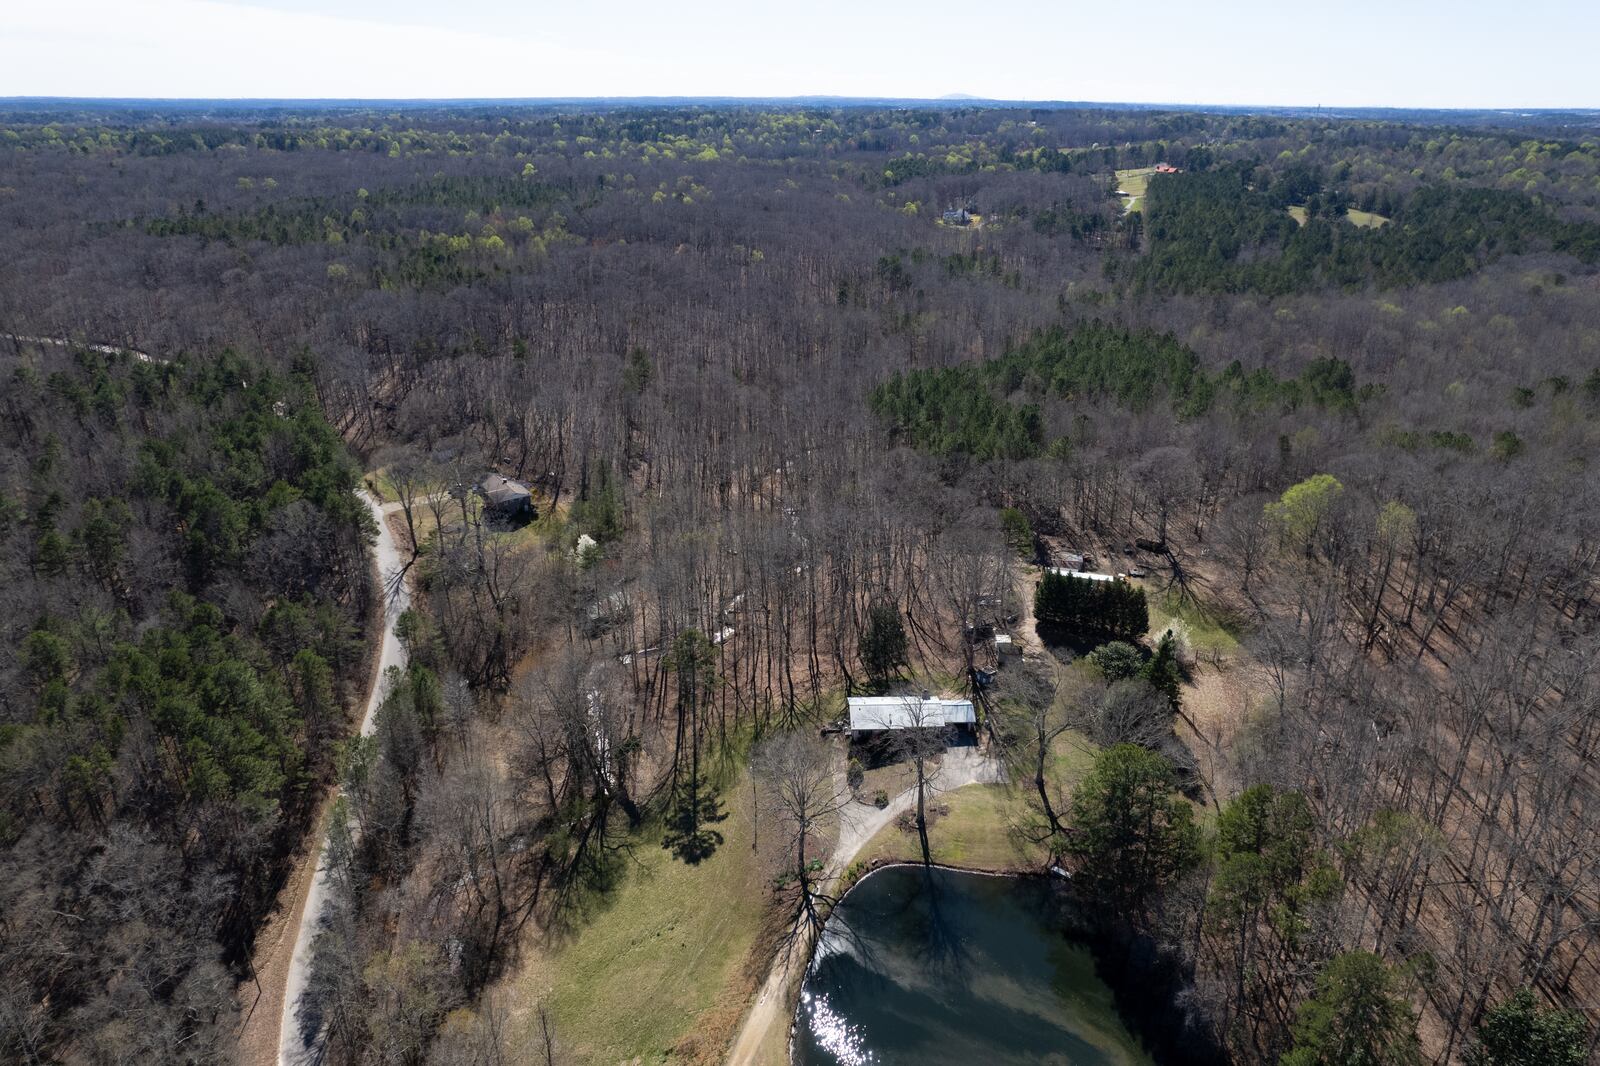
103,349
270,1036
764,1036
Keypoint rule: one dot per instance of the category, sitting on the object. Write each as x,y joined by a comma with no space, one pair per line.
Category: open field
659,969
1134,183
1072,757
428,514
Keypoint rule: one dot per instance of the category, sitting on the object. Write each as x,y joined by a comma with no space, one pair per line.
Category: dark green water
935,966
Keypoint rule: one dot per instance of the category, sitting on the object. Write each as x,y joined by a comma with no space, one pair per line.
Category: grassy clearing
1134,182
381,484
660,970
977,824
1072,757
976,832
1210,633
1364,219
546,530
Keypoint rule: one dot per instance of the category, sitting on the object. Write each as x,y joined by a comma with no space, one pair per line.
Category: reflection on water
936,966
832,1033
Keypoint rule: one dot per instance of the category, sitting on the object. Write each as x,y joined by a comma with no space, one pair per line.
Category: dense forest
185,587
804,397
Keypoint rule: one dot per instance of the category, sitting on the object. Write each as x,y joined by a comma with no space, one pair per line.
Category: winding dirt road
294,1047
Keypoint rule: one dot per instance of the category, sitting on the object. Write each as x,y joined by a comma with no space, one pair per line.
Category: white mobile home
871,715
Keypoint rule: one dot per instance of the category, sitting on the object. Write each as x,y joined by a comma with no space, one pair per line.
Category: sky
1350,53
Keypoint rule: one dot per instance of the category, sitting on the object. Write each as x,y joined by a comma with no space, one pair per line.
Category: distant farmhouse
873,716
957,216
1167,168
505,498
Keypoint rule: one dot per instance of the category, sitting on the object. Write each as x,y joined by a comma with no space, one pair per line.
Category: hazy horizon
796,98
1429,55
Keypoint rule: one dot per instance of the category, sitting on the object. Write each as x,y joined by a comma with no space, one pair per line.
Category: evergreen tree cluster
187,636
1217,232
1133,835
1083,609
992,410
1060,220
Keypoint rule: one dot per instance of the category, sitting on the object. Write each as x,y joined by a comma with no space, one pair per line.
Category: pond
938,966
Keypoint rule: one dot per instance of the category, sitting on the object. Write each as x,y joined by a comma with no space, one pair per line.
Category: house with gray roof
504,497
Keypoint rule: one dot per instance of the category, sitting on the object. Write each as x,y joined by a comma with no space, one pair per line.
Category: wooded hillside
789,434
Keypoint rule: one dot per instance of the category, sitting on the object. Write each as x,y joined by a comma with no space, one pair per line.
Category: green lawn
659,971
1072,757
978,830
549,528
893,779
1209,633
1134,183
1364,219
975,833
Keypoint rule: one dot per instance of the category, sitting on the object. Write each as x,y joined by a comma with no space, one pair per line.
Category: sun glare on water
833,1034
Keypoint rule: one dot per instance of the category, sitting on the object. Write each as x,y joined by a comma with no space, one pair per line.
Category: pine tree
1132,835
1163,672
1519,1032
1356,1018
882,646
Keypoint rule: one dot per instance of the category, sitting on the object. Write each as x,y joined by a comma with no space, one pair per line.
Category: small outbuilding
871,716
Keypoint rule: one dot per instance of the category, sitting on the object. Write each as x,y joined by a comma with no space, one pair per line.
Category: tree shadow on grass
689,836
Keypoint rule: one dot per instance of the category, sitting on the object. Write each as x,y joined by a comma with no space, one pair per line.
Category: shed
1004,645
880,714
